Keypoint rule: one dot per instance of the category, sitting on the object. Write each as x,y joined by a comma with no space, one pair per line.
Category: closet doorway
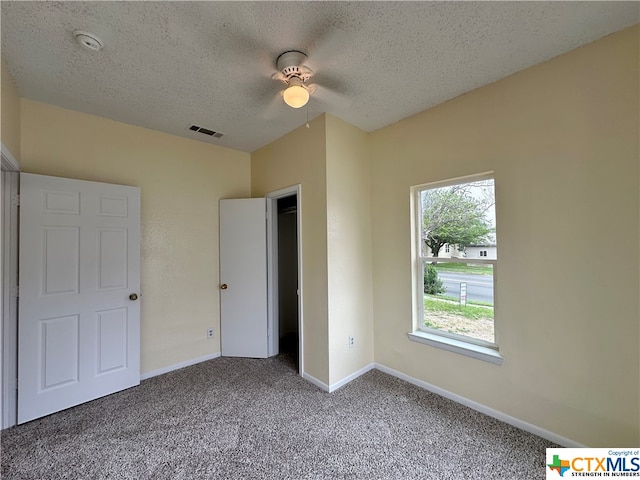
284,253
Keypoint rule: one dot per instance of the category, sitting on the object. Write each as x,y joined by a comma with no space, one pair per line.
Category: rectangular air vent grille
205,131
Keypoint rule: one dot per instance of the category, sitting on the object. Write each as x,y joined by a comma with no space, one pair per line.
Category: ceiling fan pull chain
308,116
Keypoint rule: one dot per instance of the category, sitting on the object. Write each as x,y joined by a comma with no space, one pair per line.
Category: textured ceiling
167,65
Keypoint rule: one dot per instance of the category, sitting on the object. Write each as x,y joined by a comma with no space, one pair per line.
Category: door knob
133,297
223,286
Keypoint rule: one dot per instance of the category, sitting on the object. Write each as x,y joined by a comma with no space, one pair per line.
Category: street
479,287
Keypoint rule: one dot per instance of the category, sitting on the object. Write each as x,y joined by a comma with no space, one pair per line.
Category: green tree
432,283
452,215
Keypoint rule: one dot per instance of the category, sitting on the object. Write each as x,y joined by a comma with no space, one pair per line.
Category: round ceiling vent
88,40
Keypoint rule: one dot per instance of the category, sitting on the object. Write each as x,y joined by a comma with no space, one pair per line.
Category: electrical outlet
352,342
209,332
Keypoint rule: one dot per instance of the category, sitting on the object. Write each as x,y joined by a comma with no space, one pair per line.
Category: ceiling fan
294,71
295,75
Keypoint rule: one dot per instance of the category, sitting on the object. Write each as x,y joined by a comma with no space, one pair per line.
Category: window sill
458,346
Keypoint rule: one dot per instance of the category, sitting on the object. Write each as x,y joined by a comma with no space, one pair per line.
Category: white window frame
472,347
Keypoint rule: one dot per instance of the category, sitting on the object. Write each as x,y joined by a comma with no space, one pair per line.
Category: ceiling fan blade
330,42
330,97
275,108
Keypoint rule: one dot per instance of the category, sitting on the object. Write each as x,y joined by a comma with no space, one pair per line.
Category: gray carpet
232,418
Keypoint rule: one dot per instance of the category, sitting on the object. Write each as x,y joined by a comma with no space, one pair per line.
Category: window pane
457,227
458,299
458,221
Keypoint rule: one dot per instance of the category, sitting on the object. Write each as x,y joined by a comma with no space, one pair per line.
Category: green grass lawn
464,268
469,311
457,300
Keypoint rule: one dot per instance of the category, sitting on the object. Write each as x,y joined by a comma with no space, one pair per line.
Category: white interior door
243,278
79,316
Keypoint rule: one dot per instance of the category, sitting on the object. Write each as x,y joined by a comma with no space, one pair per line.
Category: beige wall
9,113
562,138
348,249
181,182
299,158
331,162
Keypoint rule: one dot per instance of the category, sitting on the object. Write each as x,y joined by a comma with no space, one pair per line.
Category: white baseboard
334,386
503,417
178,366
316,382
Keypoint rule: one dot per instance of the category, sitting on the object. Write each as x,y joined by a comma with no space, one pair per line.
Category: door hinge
15,200
15,291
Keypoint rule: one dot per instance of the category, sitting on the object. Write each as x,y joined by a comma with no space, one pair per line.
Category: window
454,294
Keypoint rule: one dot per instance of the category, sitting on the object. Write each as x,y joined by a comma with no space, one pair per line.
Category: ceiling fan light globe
296,96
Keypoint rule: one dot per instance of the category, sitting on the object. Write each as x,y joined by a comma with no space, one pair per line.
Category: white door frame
272,269
8,292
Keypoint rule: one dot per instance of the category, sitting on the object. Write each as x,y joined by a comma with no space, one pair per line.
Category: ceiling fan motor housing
290,64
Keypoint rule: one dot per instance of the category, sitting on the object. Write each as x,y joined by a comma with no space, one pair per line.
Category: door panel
112,340
243,269
61,260
59,351
79,333
112,258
